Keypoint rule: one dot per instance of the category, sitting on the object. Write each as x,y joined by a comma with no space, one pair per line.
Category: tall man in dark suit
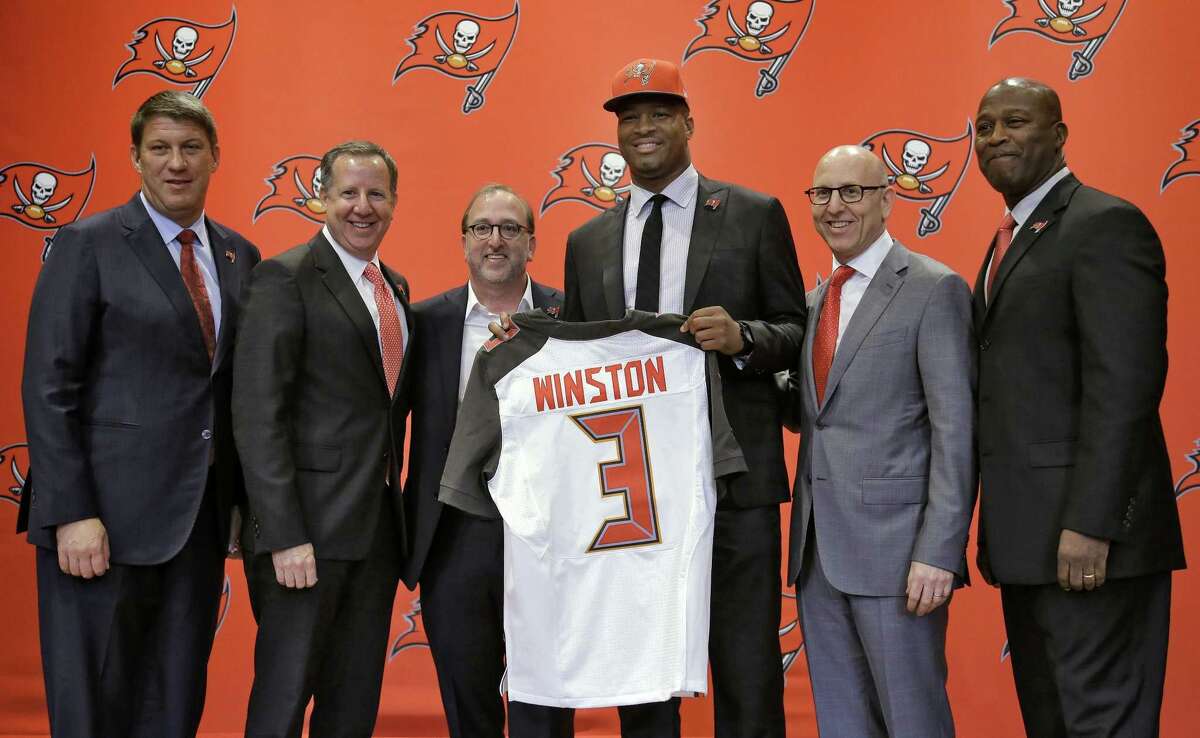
319,410
128,371
885,480
1078,522
723,255
457,559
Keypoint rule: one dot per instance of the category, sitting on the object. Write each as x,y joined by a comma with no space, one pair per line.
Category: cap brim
611,104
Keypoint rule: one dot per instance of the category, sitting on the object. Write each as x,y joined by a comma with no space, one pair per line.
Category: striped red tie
1004,237
389,327
196,288
825,341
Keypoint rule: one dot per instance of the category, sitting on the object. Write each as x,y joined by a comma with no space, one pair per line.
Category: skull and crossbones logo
612,169
36,204
310,199
640,71
1065,20
182,46
466,33
758,18
914,158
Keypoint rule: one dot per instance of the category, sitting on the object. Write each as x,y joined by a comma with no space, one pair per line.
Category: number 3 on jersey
628,476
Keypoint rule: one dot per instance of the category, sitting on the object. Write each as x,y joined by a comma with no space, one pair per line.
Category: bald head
1046,97
849,228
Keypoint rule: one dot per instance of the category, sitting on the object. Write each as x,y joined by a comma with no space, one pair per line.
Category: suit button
983,345
820,426
206,434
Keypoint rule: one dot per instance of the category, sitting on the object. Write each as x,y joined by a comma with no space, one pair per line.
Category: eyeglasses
508,231
848,193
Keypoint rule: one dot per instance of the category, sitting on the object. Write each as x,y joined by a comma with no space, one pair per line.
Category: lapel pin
230,256
712,203
552,311
1038,226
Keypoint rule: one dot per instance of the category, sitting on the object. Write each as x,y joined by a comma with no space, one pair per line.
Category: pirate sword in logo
1186,165
464,46
300,179
924,168
602,183
1071,22
196,52
759,31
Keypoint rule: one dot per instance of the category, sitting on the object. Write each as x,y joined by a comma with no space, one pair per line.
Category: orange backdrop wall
522,105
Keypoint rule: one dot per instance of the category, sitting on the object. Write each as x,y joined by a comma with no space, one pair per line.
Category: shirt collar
681,191
473,301
1030,202
168,229
354,265
867,263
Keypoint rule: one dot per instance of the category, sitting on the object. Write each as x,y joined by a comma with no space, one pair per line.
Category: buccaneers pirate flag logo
758,31
1074,22
924,168
44,198
1187,165
593,174
15,458
180,51
464,46
295,186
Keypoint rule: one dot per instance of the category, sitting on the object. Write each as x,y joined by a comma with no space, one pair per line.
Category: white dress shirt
678,212
476,333
357,268
169,230
1025,208
864,265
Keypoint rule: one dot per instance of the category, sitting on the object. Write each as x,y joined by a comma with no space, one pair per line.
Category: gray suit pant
876,670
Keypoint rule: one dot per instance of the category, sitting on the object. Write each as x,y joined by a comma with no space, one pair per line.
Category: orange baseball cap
646,77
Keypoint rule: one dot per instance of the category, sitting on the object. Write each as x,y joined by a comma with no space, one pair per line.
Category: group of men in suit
148,433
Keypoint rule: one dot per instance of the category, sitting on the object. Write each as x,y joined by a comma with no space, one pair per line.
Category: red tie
1004,236
389,327
825,342
194,283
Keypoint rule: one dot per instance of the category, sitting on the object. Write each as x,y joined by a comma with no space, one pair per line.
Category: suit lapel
338,282
1040,221
879,294
612,266
449,317
706,228
147,243
230,286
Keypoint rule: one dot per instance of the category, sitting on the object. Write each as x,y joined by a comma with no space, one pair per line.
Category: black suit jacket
1072,365
316,429
742,258
122,406
437,359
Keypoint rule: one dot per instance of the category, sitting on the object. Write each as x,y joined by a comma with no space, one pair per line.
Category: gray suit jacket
886,465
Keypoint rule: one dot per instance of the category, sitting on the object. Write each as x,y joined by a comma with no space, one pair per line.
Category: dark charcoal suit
456,559
124,413
319,435
1071,372
740,257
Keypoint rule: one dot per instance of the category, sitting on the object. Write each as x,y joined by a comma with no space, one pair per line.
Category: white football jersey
599,444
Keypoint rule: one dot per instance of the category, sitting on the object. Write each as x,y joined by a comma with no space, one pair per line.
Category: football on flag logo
295,186
594,174
412,634
15,459
463,46
43,197
1187,165
924,168
1085,23
180,51
760,31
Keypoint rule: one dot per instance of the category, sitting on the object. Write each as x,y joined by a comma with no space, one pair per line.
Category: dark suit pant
327,643
876,669
462,605
1090,663
743,642
126,654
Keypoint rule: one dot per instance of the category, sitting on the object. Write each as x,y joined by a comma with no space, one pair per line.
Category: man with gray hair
320,403
128,373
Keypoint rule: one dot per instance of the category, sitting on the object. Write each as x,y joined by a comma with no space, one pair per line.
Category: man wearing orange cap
722,255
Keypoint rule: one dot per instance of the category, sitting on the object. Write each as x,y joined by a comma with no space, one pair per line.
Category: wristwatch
747,341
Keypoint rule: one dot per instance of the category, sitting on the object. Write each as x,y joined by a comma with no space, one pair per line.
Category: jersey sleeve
727,454
474,450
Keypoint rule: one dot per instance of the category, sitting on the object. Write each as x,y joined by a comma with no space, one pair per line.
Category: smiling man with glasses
885,480
458,559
